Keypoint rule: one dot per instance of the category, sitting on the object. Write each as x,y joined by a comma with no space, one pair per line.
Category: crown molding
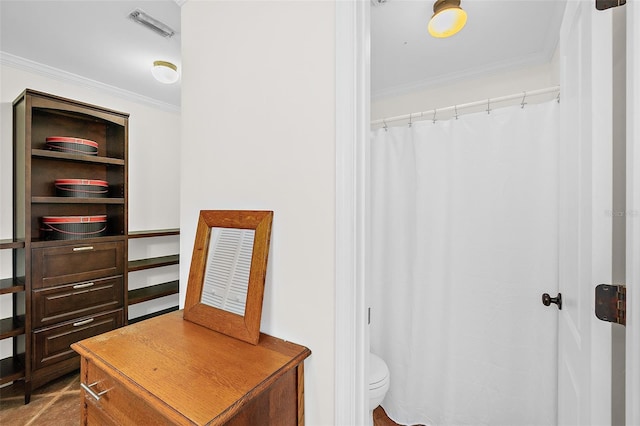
24,64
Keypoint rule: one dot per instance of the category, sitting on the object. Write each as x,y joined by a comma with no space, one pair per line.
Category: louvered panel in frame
228,268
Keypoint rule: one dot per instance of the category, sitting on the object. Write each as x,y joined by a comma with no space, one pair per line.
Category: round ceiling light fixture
448,18
165,72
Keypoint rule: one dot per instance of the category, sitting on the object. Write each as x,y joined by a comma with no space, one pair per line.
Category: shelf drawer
52,344
56,304
66,264
117,404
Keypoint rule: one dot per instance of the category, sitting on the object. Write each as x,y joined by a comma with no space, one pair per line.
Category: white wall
258,132
154,159
469,90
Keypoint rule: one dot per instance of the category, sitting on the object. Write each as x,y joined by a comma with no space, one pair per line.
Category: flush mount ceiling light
165,72
448,18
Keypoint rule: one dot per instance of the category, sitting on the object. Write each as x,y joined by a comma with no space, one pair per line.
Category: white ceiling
499,35
96,40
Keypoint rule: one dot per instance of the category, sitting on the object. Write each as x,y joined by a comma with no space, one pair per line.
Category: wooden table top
195,371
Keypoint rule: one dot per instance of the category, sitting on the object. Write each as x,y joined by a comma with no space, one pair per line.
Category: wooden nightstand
166,370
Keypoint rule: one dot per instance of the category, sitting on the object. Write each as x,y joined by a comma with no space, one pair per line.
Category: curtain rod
456,108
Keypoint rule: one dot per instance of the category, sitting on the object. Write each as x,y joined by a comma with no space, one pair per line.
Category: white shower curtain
462,244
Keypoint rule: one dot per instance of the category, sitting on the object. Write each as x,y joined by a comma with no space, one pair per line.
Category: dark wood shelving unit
154,314
47,265
153,262
12,326
156,291
54,155
11,244
153,292
11,285
154,233
12,367
73,200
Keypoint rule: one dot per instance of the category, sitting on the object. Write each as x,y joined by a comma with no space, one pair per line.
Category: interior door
584,347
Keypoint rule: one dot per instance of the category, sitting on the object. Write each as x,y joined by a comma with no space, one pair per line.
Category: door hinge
611,303
607,4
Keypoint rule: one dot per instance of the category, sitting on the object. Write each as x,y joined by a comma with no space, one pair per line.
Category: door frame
352,130
632,393
585,233
352,123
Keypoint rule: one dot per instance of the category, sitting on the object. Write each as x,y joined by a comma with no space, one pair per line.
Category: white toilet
378,382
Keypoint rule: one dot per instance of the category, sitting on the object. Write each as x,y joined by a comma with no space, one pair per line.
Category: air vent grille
153,24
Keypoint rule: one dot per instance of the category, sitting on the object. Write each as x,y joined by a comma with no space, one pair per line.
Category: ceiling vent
153,24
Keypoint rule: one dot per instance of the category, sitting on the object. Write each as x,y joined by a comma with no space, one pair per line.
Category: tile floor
58,404
54,404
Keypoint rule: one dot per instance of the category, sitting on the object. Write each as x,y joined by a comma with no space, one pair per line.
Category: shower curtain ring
558,98
385,125
435,111
523,98
410,120
488,106
455,108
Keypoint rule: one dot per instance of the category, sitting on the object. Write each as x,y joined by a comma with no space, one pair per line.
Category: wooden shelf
11,285
153,262
36,243
76,200
154,233
43,153
11,369
37,116
11,244
153,292
153,314
11,327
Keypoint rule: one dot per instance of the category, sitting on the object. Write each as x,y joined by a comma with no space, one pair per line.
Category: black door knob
548,300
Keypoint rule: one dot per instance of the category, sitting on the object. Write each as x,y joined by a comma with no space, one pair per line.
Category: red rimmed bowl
72,145
86,188
73,227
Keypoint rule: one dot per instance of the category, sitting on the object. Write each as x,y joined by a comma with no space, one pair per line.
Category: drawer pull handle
91,392
83,248
85,285
79,323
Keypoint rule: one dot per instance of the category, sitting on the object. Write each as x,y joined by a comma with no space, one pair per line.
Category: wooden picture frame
244,327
